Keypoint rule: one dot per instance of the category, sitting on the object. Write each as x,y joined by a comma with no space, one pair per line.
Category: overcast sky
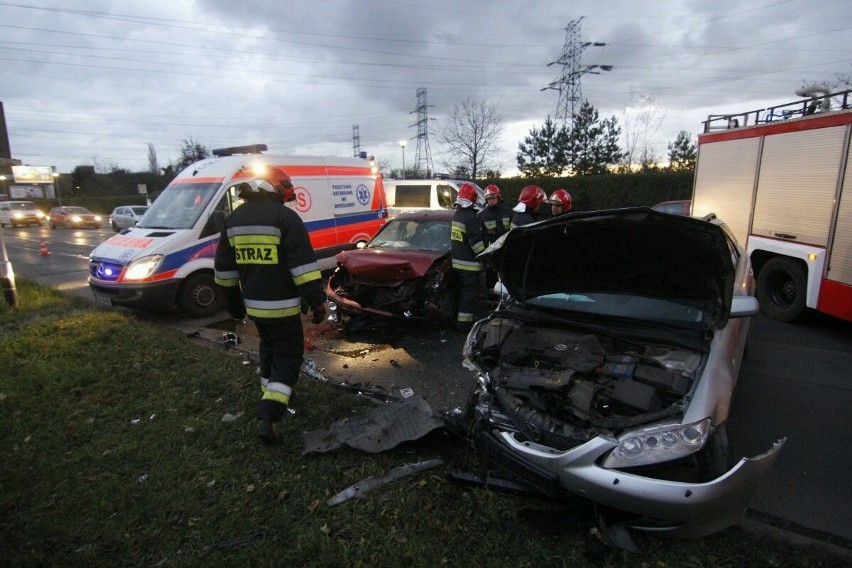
94,82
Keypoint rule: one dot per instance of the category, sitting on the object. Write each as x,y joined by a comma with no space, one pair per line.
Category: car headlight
76,219
17,215
658,444
40,215
143,268
98,218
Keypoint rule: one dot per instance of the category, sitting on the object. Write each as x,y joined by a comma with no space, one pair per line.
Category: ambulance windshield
179,206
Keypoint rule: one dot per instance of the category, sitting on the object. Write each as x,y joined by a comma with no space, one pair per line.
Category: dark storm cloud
86,82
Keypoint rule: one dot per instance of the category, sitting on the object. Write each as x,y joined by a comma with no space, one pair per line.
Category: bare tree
153,164
471,132
642,125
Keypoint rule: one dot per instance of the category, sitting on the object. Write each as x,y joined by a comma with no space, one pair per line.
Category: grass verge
114,452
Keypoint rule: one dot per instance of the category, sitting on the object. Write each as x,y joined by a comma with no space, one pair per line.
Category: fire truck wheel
199,297
781,289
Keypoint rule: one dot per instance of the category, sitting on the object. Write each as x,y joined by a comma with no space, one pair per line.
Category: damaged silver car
608,368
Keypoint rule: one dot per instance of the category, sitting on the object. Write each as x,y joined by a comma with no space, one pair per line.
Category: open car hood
385,266
634,251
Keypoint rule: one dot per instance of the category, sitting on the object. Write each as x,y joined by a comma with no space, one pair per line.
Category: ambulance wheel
199,297
781,289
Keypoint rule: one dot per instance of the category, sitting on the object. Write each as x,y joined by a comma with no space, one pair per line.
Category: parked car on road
17,213
73,217
126,216
607,372
676,207
404,271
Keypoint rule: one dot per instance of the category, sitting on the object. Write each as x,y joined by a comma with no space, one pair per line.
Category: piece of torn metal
377,429
372,482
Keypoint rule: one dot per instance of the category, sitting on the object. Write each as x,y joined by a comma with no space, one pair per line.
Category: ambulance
165,262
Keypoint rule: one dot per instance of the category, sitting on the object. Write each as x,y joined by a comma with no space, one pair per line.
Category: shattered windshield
179,206
419,234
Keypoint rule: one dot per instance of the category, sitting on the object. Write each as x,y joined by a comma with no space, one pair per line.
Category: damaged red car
404,272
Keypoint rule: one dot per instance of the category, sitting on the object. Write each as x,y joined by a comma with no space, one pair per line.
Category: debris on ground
377,429
372,482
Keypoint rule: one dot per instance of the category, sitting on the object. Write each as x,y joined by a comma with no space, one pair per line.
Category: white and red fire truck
781,178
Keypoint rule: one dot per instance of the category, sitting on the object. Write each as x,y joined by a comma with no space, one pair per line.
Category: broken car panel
608,370
404,272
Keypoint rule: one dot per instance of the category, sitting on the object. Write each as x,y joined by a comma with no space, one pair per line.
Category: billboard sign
32,174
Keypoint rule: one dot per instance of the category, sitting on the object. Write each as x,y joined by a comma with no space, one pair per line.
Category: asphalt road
795,382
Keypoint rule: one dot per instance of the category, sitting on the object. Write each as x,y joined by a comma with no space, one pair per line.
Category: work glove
236,307
319,313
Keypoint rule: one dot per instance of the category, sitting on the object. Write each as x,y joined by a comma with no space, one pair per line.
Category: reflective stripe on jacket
466,239
496,222
265,254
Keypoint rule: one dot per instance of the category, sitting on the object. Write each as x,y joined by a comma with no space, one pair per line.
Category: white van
406,195
166,260
20,213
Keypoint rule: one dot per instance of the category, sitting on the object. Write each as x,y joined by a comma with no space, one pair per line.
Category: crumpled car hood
630,251
380,265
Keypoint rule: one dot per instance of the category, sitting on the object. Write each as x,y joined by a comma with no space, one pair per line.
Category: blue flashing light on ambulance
165,262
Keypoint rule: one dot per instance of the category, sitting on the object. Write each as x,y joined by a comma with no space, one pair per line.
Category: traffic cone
42,249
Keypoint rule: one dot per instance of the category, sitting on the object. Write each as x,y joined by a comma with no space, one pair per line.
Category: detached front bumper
684,510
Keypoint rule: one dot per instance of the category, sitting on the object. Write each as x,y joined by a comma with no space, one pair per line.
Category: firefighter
466,240
560,203
496,217
268,271
496,220
526,211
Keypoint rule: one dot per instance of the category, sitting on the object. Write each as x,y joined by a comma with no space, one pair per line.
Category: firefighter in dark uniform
267,269
526,211
466,241
496,219
560,203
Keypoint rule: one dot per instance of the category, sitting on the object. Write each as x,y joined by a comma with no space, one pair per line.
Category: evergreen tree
682,153
544,152
593,143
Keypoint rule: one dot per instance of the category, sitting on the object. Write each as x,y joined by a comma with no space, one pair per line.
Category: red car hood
386,266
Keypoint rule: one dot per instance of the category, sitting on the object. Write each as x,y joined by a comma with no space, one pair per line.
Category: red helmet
560,196
272,180
532,196
467,195
493,191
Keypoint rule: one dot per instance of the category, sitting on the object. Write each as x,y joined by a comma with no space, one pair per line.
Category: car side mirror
744,306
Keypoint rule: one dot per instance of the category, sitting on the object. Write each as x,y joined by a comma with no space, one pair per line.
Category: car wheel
52,225
114,226
781,289
199,297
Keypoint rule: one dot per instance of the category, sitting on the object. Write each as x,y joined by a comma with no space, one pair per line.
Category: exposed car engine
562,388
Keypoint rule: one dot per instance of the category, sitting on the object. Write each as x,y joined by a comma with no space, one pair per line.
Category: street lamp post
402,144
56,187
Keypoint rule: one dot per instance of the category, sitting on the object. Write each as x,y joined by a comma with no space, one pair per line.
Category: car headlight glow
658,444
98,218
143,268
17,215
76,219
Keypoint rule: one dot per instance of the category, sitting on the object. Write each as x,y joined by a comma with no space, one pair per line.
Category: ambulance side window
220,213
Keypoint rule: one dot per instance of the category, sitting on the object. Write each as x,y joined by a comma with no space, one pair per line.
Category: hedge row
605,192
